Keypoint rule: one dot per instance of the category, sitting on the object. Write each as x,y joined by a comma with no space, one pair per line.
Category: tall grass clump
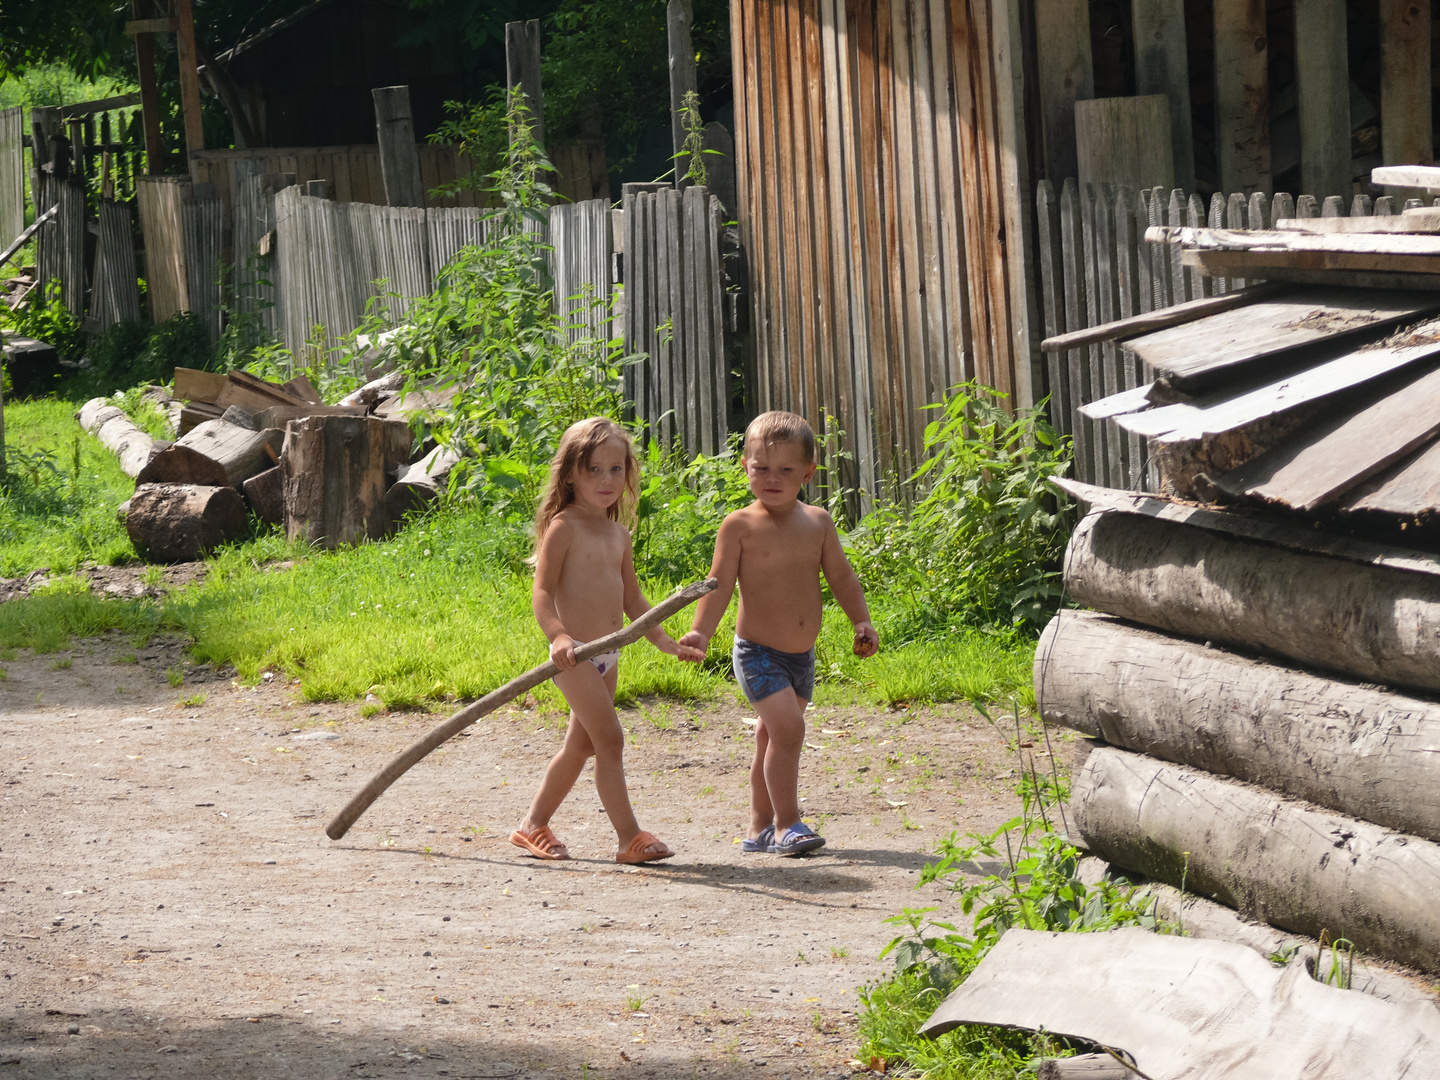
1038,889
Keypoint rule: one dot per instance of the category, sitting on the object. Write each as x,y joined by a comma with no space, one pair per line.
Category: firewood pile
1259,669
331,474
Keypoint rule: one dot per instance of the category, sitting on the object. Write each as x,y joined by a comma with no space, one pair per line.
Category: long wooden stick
9,252
398,766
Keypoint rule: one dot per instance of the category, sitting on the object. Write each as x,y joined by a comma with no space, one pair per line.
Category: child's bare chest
770,548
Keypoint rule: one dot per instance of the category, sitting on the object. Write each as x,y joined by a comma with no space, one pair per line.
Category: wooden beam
679,16
136,27
189,76
1066,75
149,99
1162,67
1322,75
1163,319
1405,136
1242,96
522,69
399,159
89,108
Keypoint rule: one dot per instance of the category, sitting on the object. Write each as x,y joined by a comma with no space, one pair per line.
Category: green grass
53,514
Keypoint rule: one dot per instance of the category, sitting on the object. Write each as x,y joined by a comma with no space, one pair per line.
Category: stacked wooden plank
332,474
1263,699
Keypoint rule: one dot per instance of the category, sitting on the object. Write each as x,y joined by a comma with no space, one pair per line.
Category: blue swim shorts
762,671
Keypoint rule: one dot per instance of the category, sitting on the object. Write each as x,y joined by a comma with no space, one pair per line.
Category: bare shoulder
817,517
740,522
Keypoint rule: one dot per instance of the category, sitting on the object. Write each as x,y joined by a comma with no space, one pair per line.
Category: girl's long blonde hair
577,445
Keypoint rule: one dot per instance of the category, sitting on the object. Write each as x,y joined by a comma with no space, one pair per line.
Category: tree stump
337,470
180,522
265,492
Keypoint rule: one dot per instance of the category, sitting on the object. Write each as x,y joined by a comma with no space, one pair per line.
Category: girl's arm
636,605
548,562
725,568
845,587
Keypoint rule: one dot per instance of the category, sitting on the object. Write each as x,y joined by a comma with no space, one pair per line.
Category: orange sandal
542,843
636,853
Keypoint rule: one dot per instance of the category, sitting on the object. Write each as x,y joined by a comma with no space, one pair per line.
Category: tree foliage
615,57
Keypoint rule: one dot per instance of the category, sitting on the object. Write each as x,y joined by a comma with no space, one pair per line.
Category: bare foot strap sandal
644,848
542,843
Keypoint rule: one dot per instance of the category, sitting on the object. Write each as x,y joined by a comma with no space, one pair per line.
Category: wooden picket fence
675,314
1096,266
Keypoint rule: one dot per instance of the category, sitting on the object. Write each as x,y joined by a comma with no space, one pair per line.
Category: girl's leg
762,810
592,704
560,776
782,715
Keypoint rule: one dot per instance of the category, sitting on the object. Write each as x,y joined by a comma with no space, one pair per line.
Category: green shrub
179,341
982,543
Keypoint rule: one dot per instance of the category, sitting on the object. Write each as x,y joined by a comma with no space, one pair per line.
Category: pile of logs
1262,699
331,474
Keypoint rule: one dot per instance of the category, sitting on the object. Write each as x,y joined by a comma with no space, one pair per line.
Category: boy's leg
762,810
782,715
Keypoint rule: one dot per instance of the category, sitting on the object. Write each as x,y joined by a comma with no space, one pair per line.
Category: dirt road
170,906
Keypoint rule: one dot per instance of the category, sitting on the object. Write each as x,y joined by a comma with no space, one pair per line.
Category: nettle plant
492,329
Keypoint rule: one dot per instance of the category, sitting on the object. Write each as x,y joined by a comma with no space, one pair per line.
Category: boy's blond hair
771,428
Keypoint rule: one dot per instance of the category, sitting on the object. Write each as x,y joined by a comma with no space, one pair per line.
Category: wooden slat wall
114,296
12,174
674,314
873,209
353,171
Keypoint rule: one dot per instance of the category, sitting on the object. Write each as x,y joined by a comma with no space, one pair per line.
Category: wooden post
1405,83
1066,75
399,160
149,91
1242,96
1161,67
1322,75
189,76
522,69
679,15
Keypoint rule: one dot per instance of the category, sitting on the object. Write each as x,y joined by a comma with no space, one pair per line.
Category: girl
584,581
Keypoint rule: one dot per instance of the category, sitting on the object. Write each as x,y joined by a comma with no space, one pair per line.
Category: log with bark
1084,1067
1358,749
181,522
215,453
1283,862
337,470
1373,622
419,484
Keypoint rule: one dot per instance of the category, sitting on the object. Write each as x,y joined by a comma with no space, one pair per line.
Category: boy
777,548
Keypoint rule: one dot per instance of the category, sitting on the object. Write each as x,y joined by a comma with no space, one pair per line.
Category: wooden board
194,385
1353,270
1065,73
1416,176
1315,466
1415,220
1162,67
1405,84
245,390
1242,95
1322,76
1149,322
1125,140
1251,526
1204,354
1411,491
1392,245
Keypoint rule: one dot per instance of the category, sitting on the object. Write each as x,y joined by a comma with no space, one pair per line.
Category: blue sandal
798,839
763,842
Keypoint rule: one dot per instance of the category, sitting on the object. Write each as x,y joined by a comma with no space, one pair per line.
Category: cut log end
181,522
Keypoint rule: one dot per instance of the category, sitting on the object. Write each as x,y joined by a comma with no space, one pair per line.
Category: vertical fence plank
1140,213
1072,258
1332,207
1129,297
1195,218
1283,206
1052,293
1216,220
1175,217
1237,216
1405,84
1242,95
1159,255
1095,359
1111,379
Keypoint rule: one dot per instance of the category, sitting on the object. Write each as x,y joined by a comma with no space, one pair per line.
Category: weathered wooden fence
881,210
12,174
1096,266
184,231
675,313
